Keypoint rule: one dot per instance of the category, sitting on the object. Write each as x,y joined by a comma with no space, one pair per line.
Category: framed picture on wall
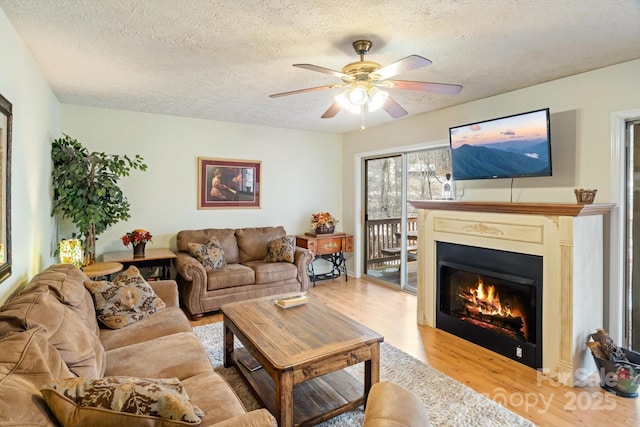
6,120
228,183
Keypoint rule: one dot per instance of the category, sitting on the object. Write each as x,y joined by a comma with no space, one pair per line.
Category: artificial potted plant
85,189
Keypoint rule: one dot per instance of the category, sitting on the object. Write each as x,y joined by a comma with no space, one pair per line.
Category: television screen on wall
514,146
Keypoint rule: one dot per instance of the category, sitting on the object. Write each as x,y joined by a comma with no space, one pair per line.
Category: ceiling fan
366,83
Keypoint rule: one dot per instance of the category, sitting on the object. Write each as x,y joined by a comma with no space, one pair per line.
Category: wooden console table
152,258
330,247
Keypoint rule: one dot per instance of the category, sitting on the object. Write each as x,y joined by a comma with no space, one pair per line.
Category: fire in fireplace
492,298
483,306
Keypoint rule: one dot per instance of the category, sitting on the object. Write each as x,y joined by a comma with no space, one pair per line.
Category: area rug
448,402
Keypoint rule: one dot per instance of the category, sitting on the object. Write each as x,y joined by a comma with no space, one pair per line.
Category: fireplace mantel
552,209
569,237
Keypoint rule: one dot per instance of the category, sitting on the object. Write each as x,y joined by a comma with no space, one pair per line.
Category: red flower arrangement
136,236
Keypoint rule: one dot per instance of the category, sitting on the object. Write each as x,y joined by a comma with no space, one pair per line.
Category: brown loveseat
246,274
49,331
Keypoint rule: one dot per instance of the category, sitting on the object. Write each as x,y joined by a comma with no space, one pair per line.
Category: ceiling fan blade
332,111
409,63
427,87
394,109
309,89
323,70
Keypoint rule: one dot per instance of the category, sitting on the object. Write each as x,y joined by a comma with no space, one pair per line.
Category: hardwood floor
392,313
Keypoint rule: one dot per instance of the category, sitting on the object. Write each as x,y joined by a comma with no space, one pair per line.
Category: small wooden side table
100,269
330,247
152,258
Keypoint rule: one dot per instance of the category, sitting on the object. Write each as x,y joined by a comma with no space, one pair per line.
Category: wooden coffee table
302,352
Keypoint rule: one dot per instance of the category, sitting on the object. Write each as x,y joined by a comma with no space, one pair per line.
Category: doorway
632,291
390,221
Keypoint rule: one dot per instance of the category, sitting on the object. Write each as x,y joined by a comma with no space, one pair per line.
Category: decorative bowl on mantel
585,196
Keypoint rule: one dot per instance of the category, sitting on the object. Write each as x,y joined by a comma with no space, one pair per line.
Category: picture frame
228,183
6,121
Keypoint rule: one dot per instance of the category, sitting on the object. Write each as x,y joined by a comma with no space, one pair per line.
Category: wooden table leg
284,399
228,344
371,370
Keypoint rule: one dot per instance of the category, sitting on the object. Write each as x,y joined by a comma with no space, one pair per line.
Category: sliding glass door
428,175
390,227
383,214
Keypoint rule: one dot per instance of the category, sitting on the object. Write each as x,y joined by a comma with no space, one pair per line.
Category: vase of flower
138,250
325,229
323,223
138,238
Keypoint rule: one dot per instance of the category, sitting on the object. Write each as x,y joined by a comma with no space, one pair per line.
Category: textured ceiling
219,59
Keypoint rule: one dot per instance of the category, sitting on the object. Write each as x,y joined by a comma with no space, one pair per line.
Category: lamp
353,99
345,103
71,252
377,98
358,96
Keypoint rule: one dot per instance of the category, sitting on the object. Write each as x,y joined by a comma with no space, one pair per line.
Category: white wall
35,122
301,171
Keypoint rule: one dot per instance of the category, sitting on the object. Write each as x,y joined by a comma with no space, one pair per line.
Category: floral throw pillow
210,254
125,301
282,249
120,401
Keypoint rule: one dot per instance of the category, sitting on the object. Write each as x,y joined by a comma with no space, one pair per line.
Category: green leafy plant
85,189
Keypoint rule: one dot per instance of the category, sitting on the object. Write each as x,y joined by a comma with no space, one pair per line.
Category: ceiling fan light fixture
345,103
377,98
358,96
366,83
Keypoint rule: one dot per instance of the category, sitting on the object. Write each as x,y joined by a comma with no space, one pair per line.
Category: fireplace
492,298
569,239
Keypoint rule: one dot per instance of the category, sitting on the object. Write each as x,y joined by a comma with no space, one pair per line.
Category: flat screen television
514,146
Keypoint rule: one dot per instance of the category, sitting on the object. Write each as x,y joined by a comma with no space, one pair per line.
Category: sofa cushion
210,254
27,361
30,355
211,393
66,283
167,321
270,272
121,401
21,403
253,242
226,237
79,347
125,301
178,355
281,249
231,276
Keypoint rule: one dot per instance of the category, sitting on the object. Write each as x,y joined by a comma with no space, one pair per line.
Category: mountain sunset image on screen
507,147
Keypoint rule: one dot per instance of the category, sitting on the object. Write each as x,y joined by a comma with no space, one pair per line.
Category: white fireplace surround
569,237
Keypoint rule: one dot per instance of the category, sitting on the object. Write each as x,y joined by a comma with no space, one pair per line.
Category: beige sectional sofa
49,331
246,274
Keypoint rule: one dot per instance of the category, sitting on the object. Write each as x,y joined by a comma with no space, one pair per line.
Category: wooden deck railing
381,234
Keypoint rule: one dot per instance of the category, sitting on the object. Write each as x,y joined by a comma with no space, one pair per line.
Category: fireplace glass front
492,298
